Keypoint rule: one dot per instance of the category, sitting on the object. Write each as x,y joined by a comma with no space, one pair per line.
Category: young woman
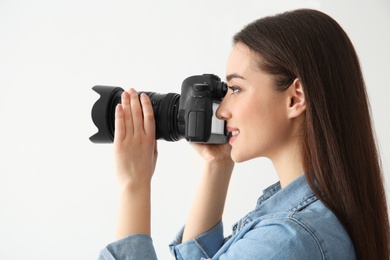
296,96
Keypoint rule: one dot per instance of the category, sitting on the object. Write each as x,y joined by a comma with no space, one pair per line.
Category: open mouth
235,132
233,135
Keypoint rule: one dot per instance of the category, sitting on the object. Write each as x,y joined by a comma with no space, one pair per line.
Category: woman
296,96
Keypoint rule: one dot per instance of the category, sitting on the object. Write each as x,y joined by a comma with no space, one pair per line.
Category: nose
223,112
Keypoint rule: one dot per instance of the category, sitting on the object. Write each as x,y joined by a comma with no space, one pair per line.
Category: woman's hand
135,147
214,153
207,208
135,158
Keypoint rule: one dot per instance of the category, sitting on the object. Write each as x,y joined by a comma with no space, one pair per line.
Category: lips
234,132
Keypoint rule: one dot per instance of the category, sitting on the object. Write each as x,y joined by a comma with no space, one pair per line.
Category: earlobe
297,104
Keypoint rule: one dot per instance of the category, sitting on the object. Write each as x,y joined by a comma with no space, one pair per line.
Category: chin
238,158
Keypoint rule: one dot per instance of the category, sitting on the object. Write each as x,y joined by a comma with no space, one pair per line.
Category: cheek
265,129
257,115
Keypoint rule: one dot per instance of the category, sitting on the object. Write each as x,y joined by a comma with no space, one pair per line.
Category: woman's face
255,113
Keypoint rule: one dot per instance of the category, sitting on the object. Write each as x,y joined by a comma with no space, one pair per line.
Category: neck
288,163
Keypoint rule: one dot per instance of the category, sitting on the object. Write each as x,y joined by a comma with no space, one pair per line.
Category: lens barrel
165,107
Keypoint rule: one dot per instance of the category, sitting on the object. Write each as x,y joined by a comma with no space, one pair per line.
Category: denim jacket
288,223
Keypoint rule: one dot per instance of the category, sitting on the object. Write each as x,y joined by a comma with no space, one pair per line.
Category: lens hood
103,113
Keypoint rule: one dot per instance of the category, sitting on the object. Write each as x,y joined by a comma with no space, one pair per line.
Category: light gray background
58,194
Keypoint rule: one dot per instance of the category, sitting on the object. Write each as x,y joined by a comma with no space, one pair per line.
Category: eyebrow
233,76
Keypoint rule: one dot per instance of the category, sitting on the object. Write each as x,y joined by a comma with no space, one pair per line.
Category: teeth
235,132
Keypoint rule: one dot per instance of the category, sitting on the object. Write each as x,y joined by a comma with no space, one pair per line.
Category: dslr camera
189,115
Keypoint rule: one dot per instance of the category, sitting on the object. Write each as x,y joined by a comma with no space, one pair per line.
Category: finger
148,113
136,112
127,116
120,130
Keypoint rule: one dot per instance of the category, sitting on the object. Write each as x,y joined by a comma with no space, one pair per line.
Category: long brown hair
341,160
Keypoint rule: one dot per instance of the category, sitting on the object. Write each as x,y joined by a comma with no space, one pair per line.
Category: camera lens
165,107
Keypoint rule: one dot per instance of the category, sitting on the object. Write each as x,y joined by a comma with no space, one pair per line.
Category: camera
189,115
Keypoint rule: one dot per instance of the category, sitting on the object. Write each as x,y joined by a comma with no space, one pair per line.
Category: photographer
296,96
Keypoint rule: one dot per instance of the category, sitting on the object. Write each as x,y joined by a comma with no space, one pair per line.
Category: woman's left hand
135,147
135,153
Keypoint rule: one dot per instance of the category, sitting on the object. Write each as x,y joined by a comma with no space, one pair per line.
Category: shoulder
313,232
324,227
289,223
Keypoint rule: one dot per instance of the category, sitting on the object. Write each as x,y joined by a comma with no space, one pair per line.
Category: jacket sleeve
201,247
131,247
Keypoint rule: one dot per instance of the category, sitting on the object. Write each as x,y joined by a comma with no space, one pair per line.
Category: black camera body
190,115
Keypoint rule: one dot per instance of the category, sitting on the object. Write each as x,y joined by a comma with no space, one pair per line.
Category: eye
234,89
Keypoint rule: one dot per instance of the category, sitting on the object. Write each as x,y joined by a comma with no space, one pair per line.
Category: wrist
220,165
134,186
218,172
134,209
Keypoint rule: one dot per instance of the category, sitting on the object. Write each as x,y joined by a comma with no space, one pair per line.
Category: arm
207,208
135,154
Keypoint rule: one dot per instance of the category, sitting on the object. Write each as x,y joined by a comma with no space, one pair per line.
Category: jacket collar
275,200
294,197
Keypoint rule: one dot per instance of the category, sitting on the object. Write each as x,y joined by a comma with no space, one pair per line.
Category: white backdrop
58,194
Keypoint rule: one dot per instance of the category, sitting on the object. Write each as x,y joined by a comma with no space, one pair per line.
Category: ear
297,101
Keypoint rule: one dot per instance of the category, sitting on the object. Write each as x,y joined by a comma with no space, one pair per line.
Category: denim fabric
288,223
133,247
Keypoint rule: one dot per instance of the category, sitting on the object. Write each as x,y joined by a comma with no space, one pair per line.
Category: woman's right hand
214,153
209,202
